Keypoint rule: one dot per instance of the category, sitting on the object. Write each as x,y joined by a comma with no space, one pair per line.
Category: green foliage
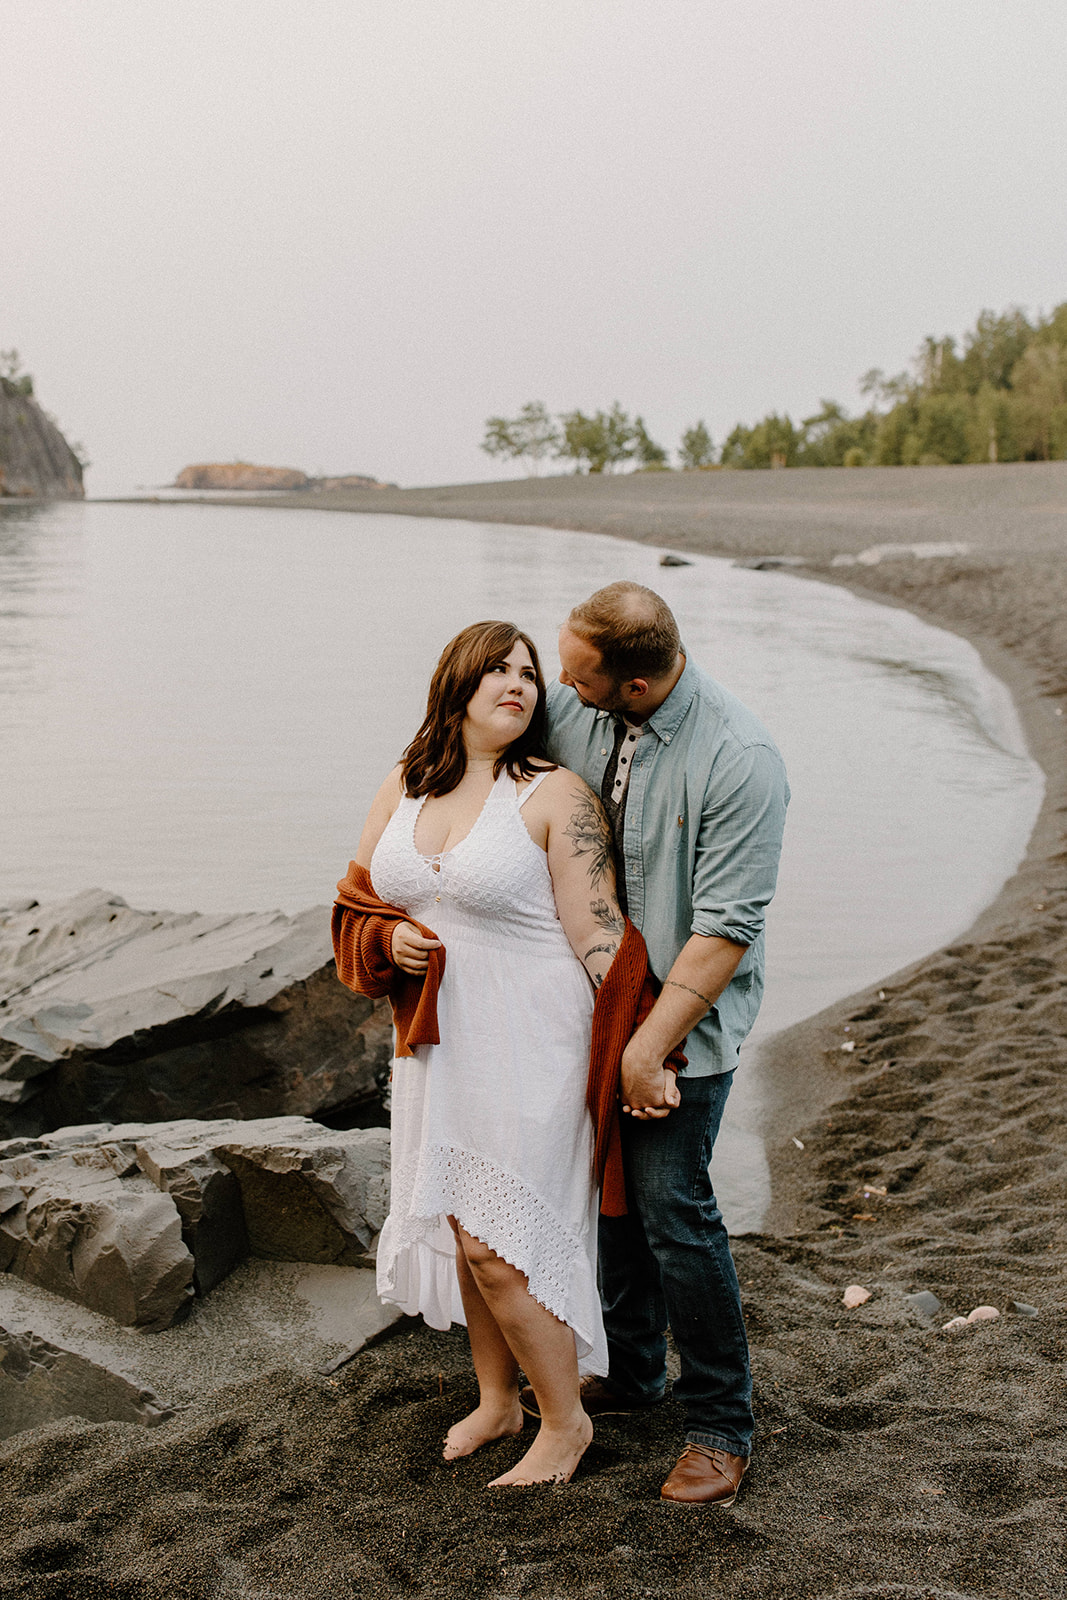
599,442
999,395
529,437
696,448
15,381
651,455
774,442
1003,399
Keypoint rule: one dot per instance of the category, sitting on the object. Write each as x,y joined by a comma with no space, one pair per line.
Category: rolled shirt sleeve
739,844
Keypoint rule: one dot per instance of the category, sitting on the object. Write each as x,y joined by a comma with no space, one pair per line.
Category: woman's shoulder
558,786
391,791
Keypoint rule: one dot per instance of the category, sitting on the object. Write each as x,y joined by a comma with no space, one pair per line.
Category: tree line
596,443
999,395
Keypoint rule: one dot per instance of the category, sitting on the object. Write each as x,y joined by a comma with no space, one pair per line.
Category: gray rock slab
108,1012
129,1219
266,1315
43,1382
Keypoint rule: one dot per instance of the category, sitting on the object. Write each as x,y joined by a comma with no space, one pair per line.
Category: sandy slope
892,1459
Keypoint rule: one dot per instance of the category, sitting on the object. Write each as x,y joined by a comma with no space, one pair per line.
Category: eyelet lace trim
495,1207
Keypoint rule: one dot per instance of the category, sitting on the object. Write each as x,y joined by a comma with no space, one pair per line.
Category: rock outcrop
240,475
352,480
36,462
112,1014
132,1220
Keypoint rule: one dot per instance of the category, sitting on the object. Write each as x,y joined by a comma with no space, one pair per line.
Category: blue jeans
668,1262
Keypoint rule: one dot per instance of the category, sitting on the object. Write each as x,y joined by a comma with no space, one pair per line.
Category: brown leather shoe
597,1400
705,1477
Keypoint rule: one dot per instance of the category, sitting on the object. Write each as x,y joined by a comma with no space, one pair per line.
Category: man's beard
615,703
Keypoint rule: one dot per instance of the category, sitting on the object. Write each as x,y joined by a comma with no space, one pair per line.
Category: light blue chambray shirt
705,810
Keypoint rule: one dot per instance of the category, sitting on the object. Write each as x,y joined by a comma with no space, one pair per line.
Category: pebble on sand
855,1295
979,1314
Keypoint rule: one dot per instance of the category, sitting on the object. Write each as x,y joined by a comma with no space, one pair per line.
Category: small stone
674,561
984,1314
925,1303
855,1295
1021,1308
955,1324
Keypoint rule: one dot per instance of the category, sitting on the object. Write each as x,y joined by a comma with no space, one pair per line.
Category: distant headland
36,462
234,475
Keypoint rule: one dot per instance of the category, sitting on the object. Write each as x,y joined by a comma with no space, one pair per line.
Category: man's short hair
632,627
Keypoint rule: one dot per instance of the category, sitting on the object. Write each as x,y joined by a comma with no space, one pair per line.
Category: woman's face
503,703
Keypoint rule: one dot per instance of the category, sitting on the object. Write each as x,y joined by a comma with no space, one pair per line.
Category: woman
505,862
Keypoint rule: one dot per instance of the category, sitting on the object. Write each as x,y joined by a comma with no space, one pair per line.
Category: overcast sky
337,235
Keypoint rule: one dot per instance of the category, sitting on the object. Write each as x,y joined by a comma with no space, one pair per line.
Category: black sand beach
893,1459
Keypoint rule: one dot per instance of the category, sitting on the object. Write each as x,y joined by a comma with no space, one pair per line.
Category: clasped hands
410,950
648,1090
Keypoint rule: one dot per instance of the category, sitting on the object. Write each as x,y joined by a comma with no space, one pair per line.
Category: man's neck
656,694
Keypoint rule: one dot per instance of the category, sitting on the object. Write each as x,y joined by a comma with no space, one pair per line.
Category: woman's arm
582,867
384,804
408,949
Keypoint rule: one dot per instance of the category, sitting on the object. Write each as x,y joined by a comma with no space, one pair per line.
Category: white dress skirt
490,1126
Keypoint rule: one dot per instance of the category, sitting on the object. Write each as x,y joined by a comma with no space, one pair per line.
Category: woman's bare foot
552,1457
486,1422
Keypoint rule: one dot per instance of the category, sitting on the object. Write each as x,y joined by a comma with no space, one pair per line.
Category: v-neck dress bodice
490,1126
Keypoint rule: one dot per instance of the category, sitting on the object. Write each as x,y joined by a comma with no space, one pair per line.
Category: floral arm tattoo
609,918
591,836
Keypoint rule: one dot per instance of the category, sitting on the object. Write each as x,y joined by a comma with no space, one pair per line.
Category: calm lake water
197,703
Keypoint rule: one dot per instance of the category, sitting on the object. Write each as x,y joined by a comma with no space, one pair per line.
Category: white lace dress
490,1126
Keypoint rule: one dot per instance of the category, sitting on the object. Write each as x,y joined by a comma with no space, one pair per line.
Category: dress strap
532,785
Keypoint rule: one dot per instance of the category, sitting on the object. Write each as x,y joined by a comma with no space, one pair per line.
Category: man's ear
636,689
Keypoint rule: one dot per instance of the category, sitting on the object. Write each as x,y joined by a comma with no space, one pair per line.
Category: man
695,794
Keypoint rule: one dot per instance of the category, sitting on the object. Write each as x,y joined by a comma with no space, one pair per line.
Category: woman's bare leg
544,1347
498,1412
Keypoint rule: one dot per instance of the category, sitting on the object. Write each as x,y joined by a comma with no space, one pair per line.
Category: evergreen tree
696,449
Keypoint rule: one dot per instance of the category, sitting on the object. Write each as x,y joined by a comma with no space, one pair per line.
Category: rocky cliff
36,462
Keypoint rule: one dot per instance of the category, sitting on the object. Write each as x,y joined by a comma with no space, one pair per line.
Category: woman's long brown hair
436,759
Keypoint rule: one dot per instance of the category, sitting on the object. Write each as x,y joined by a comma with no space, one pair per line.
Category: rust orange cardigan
362,929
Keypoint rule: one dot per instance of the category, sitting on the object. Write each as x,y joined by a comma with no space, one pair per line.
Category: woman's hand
648,1090
409,950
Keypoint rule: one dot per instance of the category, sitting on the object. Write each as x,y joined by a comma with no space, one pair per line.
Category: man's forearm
701,971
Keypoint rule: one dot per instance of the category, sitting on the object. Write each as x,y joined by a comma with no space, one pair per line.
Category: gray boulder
132,1219
109,1013
41,1381
111,1243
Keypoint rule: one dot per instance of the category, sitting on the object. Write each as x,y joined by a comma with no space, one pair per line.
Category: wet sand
892,1458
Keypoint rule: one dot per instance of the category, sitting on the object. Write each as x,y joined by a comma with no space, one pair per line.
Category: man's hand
649,1090
409,951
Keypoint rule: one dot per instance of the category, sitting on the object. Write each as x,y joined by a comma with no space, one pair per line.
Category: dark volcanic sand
892,1459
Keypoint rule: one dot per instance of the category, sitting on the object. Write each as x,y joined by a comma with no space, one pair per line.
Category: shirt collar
666,719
